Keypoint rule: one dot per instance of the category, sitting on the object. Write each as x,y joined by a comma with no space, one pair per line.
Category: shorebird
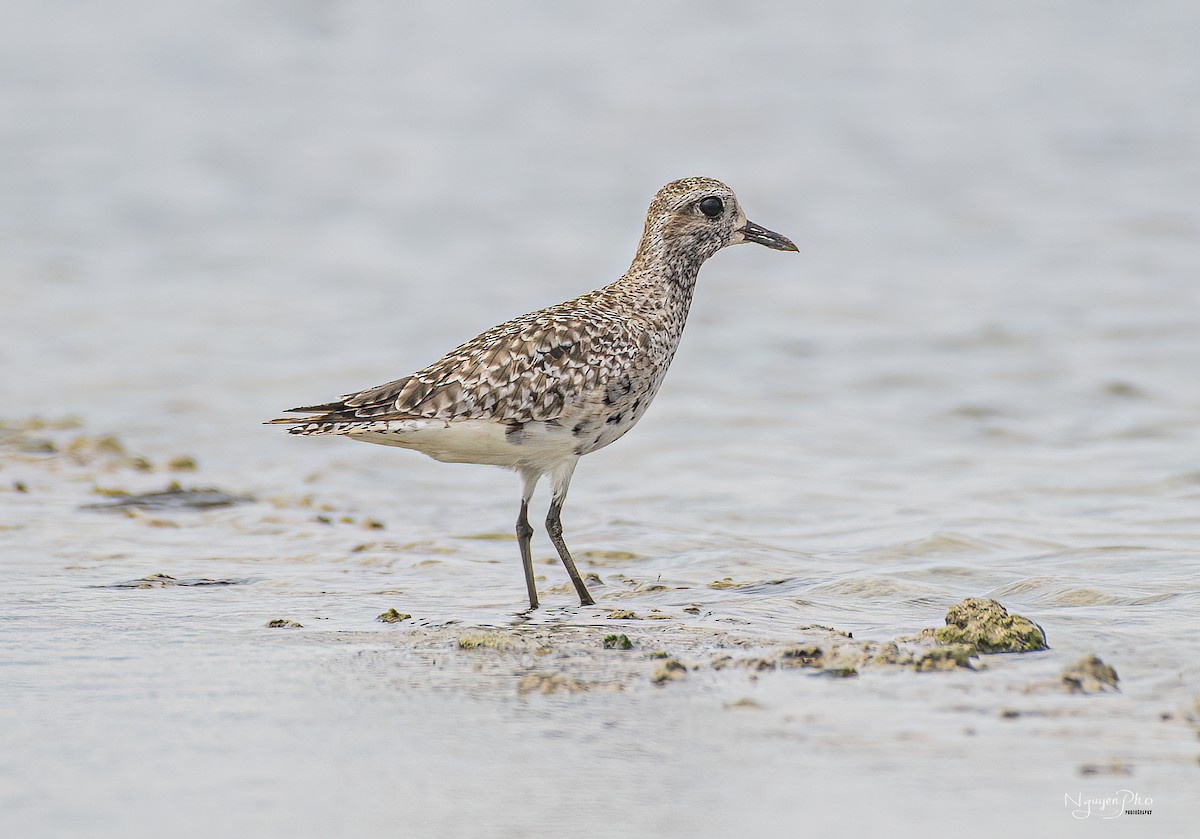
538,392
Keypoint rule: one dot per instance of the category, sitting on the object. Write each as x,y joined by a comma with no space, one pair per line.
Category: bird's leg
561,479
525,534
554,528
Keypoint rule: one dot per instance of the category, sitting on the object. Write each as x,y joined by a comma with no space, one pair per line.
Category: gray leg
554,528
525,534
560,480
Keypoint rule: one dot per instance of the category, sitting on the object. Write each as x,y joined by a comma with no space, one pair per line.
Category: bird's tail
330,408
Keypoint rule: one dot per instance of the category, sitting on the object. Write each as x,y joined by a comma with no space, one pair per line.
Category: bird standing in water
538,392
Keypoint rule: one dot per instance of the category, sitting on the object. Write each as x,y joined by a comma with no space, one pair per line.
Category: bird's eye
711,206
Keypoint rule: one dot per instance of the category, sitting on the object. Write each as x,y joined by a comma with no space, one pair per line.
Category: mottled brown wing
528,369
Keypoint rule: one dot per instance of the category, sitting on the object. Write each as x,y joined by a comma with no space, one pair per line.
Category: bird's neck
664,278
666,259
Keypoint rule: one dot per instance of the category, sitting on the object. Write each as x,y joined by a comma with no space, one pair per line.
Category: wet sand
255,692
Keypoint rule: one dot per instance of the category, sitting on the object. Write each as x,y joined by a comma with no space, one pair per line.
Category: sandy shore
259,696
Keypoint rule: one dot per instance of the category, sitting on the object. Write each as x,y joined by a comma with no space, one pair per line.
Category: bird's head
698,217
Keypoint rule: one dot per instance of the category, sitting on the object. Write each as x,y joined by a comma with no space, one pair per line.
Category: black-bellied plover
540,391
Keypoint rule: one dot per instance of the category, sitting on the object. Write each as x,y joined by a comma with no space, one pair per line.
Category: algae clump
486,640
1089,675
392,616
987,627
669,670
948,657
617,642
804,655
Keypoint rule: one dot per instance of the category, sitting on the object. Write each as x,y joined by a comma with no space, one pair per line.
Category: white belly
537,445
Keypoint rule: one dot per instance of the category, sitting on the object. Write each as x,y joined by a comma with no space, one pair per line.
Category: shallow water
977,379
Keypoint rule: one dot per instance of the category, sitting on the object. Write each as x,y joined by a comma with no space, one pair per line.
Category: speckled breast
615,408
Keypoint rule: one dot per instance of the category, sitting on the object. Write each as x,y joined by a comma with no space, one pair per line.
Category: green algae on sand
668,670
487,640
802,655
1089,675
987,627
945,657
617,642
392,616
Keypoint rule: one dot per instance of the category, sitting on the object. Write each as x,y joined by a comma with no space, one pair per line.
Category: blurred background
211,207
978,378
212,211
